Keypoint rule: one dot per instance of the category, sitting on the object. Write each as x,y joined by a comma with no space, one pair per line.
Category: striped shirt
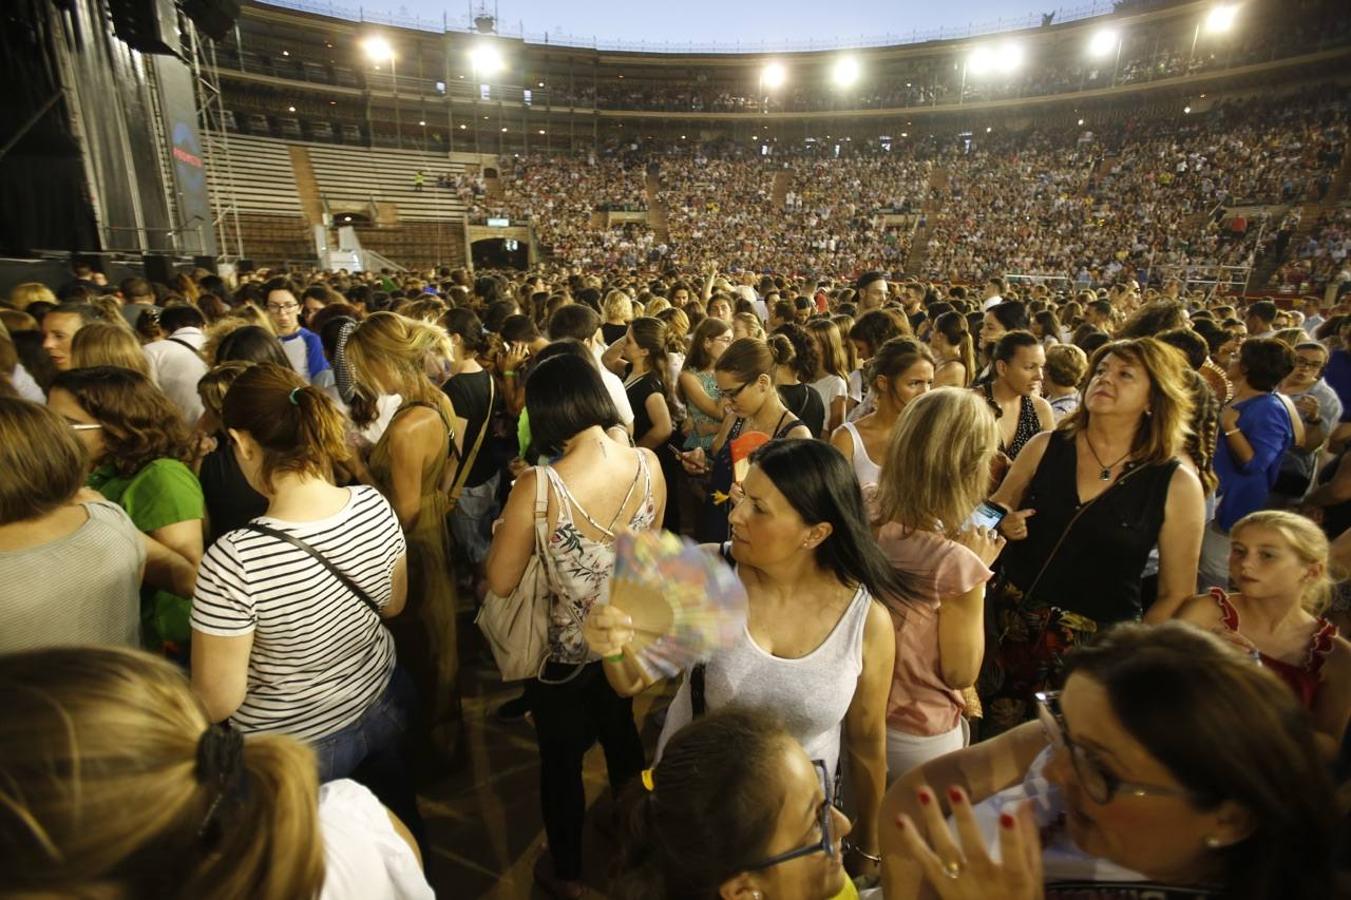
320,656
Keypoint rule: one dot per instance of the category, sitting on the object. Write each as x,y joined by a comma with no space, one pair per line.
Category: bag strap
182,343
332,569
468,462
1069,526
698,703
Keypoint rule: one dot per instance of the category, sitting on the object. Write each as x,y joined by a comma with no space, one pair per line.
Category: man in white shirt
582,323
992,294
176,361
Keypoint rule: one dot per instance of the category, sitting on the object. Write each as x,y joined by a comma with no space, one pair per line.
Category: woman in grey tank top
817,648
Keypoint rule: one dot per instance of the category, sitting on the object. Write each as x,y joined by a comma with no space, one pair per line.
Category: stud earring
1214,843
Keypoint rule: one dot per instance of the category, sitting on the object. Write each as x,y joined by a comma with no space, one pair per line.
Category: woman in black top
1019,361
795,358
479,402
230,501
746,390
1087,502
649,390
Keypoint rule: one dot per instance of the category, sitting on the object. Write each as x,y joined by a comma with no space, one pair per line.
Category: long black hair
816,481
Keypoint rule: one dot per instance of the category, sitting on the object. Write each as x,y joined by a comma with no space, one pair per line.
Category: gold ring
952,869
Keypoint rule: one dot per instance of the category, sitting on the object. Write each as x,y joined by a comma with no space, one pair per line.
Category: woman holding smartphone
930,533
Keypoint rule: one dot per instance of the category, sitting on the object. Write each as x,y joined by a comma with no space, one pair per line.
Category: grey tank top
811,694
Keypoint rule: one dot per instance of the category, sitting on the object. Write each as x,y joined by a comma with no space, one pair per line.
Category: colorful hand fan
742,447
685,603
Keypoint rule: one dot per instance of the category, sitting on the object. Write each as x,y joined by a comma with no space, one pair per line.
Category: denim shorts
471,522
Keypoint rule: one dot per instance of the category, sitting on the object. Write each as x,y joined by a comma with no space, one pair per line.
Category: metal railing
461,23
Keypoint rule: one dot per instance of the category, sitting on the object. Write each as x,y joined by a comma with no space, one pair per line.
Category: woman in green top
138,445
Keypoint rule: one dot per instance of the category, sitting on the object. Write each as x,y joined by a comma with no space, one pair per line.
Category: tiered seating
263,189
350,176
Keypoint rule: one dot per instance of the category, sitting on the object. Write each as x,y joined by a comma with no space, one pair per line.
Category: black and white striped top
320,656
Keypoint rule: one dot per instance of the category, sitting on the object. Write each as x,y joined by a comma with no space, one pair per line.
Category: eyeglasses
1099,784
283,307
823,820
732,394
1308,363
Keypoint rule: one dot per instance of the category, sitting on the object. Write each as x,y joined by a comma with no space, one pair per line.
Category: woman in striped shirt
287,623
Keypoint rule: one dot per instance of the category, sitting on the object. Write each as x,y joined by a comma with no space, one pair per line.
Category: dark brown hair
1227,730
712,810
140,424
296,425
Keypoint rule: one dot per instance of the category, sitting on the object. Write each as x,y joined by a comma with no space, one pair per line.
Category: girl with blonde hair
413,464
106,344
617,311
935,474
901,370
117,784
1279,562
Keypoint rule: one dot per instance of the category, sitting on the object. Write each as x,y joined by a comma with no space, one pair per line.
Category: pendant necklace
1105,474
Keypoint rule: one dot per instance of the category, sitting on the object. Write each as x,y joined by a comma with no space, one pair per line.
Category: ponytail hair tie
292,396
647,780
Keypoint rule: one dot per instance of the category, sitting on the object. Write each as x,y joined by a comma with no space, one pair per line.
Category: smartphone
986,515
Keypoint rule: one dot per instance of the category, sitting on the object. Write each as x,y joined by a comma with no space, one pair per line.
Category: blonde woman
106,344
831,380
1279,560
618,312
411,465
935,474
128,790
745,324
30,292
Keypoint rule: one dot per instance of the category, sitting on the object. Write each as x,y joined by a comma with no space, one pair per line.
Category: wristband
1233,431
618,657
508,373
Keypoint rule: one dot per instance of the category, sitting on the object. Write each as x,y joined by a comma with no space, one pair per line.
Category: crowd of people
1061,573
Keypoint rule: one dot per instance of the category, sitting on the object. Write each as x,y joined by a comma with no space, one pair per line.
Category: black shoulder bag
332,569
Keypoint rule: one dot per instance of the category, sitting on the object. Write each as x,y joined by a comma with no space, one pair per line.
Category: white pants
906,751
1213,570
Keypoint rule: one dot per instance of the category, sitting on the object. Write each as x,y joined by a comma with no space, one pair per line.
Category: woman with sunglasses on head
1169,765
784,843
818,645
697,385
745,388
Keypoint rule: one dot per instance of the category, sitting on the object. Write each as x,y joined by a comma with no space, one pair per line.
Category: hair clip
647,780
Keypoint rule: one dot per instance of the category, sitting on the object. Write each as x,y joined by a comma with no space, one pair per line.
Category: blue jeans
371,751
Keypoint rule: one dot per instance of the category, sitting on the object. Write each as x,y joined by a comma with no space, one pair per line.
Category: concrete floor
483,819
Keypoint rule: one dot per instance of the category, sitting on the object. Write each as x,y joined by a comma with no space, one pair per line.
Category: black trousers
569,719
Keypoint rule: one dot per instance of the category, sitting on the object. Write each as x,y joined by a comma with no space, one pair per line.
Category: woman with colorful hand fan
745,386
817,647
597,486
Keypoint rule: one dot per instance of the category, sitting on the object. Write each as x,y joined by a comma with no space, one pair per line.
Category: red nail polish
925,798
954,795
1006,821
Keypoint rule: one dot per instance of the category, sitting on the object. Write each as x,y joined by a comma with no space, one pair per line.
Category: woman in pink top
936,471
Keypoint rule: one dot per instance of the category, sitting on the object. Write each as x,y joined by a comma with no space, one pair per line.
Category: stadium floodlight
773,75
378,49
980,61
1009,58
845,71
1221,18
485,59
1102,43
